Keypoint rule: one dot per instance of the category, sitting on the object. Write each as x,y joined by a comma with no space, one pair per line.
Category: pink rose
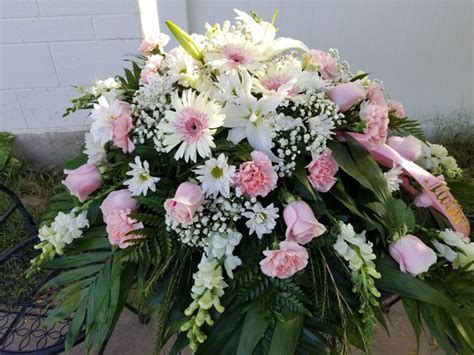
286,261
118,227
347,95
376,122
322,170
187,200
412,255
150,43
301,224
82,181
324,63
256,177
122,125
408,147
396,108
151,67
423,200
375,95
118,200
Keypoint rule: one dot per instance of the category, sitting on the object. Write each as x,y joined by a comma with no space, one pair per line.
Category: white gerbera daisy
393,177
180,66
94,150
287,78
191,125
216,176
141,181
261,220
233,52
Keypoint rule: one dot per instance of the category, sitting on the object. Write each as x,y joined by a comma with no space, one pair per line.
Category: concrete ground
132,338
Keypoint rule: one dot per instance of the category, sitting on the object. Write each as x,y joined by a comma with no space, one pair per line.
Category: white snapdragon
64,229
141,181
221,246
216,176
393,178
261,220
108,87
456,248
355,249
435,158
208,287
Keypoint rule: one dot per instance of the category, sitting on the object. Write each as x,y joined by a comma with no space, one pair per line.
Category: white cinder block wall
422,49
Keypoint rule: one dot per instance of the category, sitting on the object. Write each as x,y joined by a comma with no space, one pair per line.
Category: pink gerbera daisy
191,125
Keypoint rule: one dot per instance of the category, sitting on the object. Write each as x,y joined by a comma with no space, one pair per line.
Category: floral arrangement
255,196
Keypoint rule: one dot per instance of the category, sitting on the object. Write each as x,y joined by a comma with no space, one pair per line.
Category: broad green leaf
253,329
77,260
72,276
185,41
413,314
286,335
431,315
76,325
397,282
81,159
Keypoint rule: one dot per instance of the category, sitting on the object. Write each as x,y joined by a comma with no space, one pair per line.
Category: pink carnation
256,177
325,64
396,108
285,262
151,67
118,227
376,119
375,95
322,170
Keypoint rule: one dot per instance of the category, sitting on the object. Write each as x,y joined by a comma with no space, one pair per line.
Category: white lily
263,35
248,118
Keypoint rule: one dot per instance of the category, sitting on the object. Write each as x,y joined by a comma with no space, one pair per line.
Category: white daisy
141,180
261,220
216,176
94,150
191,125
393,177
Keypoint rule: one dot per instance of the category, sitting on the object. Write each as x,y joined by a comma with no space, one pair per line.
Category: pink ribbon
435,188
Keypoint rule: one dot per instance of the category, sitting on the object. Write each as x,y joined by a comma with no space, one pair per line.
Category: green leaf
397,282
413,314
253,329
81,159
76,325
286,335
185,41
77,260
433,319
72,276
360,77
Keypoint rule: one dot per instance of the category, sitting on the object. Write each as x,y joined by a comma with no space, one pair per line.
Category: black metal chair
23,311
